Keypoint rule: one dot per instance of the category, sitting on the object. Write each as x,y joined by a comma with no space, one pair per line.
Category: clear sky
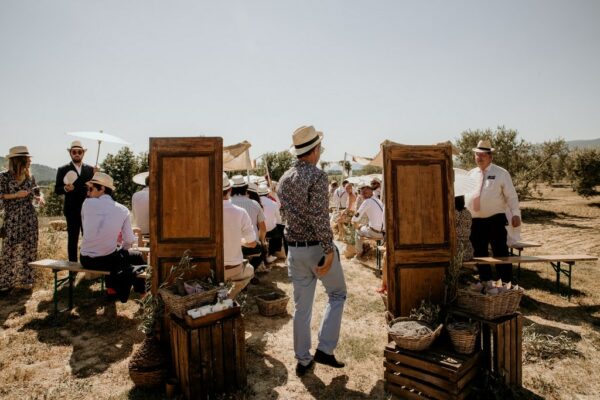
361,71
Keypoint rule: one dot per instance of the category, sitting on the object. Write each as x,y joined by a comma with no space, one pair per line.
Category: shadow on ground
12,303
98,335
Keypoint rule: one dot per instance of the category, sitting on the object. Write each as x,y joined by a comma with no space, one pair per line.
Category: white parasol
140,178
463,183
100,137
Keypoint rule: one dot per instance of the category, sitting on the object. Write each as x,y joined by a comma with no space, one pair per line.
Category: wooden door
186,204
420,234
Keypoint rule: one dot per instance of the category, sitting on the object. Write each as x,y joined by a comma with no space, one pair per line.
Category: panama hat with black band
305,139
484,146
18,151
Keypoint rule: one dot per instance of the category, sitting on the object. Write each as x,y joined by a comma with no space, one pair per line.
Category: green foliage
54,203
583,168
324,164
369,170
122,167
277,163
527,164
346,167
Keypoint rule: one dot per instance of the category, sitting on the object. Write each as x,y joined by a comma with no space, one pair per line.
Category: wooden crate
436,373
210,357
502,342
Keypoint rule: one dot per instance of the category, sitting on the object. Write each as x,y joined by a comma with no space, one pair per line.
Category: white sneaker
270,259
262,268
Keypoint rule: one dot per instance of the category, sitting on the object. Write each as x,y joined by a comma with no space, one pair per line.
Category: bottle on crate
136,240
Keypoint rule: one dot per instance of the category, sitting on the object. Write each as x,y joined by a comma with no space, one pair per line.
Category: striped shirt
254,210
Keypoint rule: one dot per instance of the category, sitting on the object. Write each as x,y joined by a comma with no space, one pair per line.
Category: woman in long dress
18,190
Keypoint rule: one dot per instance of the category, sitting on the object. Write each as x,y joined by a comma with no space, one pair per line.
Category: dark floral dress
463,231
19,247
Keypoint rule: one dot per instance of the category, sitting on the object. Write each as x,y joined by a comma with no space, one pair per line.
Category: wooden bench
520,246
73,268
554,260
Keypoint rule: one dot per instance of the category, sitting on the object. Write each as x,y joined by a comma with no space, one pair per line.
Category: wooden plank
420,283
406,370
467,378
402,393
195,369
513,350
206,361
421,387
518,352
498,349
530,259
508,354
423,365
183,358
240,349
217,359
228,354
486,343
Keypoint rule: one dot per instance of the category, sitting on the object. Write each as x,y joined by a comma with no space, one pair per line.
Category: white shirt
497,193
340,198
271,210
253,209
236,227
102,220
140,208
373,208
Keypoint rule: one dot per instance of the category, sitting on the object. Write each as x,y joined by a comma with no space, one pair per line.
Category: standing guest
312,254
75,193
376,186
237,231
140,208
332,188
239,197
19,247
495,193
103,220
372,208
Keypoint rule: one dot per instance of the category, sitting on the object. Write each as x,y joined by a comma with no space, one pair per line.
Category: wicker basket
413,342
270,304
463,340
490,306
147,365
179,305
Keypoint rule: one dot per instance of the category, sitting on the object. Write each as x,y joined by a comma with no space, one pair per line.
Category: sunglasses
76,151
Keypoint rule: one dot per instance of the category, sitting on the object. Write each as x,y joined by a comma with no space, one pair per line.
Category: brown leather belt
228,267
375,230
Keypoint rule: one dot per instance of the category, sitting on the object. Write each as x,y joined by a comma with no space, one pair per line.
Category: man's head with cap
76,151
239,185
365,190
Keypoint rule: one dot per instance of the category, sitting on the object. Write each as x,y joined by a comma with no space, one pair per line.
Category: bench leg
55,296
71,279
378,256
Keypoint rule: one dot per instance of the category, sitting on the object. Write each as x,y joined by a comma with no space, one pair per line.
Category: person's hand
69,187
21,194
516,221
324,269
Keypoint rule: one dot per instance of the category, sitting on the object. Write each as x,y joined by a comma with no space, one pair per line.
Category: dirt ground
84,354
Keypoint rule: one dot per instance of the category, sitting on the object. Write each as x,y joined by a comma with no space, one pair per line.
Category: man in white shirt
495,194
237,232
103,219
373,209
140,208
376,186
272,221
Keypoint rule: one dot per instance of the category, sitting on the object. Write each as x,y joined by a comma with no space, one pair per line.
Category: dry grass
83,355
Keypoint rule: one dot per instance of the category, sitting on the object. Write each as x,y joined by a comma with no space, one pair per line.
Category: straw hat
305,139
238,181
140,178
102,179
18,151
226,182
484,146
253,187
263,190
364,184
76,144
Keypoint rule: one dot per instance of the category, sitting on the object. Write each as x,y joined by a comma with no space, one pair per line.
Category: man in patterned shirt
303,191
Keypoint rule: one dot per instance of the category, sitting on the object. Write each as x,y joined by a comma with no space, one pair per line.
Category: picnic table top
524,245
530,259
63,265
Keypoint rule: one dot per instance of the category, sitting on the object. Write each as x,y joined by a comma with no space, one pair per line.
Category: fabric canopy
237,157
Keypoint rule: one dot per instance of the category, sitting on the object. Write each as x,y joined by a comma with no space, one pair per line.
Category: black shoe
254,281
327,359
301,370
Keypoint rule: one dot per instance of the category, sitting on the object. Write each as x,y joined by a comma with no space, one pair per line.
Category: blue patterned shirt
304,194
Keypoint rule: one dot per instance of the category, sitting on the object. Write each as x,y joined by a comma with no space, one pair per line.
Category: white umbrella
140,178
100,137
463,183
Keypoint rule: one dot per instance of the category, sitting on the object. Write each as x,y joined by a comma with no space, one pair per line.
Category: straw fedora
226,182
100,178
263,189
18,151
76,144
253,187
484,146
238,181
305,139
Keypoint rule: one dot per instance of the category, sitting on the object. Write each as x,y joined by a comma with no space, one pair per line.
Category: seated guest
344,203
333,186
237,230
463,228
372,208
103,220
273,223
140,208
239,197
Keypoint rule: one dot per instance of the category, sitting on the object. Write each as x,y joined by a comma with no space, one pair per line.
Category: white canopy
237,157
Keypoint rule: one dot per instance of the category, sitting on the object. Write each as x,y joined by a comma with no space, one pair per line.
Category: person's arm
362,209
248,235
262,232
127,233
512,199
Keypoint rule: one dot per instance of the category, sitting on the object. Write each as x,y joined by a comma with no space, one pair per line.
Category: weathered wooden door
420,235
186,204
